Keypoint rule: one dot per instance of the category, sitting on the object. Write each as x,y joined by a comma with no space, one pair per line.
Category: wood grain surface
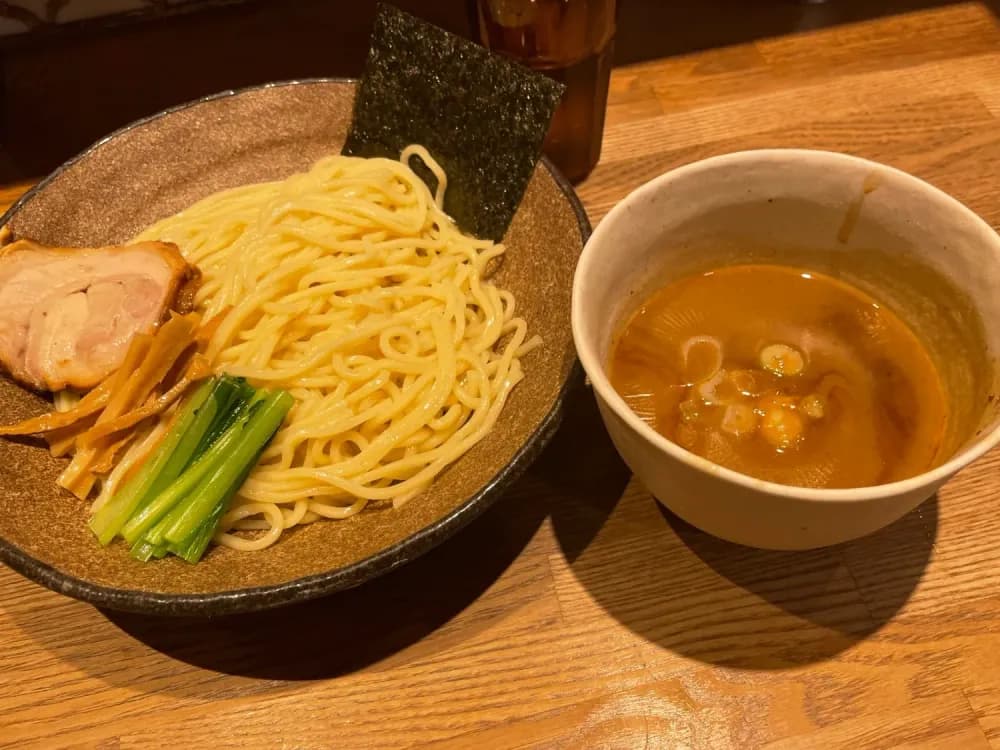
576,613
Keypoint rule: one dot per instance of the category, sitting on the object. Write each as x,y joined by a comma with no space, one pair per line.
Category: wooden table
576,613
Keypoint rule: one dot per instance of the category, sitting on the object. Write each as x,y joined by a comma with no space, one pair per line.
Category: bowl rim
586,346
253,598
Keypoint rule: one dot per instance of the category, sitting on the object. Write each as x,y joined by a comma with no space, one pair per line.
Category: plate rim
256,598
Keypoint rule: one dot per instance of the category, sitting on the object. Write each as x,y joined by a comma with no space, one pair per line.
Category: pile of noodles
351,288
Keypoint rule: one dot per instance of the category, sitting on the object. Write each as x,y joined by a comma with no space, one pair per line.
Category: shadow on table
350,630
410,608
730,605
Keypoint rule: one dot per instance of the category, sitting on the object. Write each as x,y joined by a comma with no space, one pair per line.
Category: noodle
349,287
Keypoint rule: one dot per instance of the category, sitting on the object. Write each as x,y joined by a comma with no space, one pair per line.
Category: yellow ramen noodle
351,288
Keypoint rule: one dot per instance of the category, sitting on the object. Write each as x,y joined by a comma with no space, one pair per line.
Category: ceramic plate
162,164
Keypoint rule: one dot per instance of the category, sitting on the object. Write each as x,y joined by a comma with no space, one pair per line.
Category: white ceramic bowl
909,244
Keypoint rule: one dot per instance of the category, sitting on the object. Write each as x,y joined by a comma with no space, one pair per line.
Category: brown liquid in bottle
571,41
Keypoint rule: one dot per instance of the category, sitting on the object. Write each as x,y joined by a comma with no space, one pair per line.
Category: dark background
64,88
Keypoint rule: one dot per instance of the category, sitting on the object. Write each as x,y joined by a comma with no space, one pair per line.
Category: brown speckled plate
160,165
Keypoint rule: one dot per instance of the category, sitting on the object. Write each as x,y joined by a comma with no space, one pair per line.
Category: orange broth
783,374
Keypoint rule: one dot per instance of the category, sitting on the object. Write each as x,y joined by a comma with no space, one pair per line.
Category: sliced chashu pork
67,315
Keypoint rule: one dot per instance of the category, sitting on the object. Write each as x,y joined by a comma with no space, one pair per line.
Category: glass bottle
571,41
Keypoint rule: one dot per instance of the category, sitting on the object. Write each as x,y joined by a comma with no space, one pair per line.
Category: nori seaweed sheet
481,116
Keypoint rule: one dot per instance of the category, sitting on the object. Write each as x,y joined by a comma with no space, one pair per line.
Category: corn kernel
690,411
812,406
781,427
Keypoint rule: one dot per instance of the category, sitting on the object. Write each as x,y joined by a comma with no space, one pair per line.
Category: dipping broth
783,374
